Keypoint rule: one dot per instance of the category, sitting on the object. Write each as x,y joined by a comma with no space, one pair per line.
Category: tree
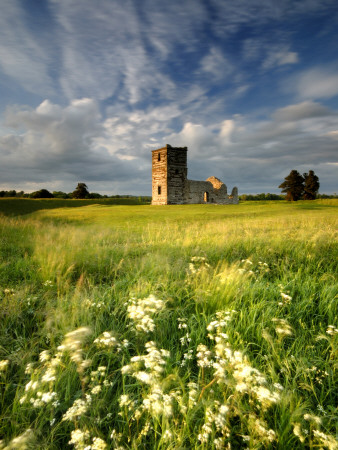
60,194
81,191
311,185
293,186
42,193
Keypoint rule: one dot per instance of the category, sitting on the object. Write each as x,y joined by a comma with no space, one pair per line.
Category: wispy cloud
23,57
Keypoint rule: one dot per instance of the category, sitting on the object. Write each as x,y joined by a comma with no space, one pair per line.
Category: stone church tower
169,175
170,184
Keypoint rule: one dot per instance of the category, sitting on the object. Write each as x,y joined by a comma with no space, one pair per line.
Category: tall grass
169,327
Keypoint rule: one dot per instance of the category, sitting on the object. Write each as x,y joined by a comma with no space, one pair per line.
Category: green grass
62,268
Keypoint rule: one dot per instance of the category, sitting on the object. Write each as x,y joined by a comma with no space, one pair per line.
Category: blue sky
88,89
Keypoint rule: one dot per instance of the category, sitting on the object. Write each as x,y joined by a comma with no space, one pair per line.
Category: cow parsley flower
142,310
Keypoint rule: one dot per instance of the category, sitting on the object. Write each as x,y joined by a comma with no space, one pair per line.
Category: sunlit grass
201,326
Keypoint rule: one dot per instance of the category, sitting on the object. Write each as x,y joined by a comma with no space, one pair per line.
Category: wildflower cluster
72,344
286,299
331,330
234,375
107,340
4,365
94,305
197,265
81,440
308,429
316,374
182,325
9,292
39,389
282,327
157,401
142,310
249,268
22,442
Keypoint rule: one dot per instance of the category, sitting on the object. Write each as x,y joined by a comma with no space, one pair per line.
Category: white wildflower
204,356
312,418
3,365
282,327
44,356
141,310
47,397
79,438
78,408
98,444
49,375
31,385
326,440
21,442
297,431
286,299
96,389
107,340
167,435
29,369
332,330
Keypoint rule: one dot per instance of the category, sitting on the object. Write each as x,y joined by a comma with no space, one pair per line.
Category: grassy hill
193,326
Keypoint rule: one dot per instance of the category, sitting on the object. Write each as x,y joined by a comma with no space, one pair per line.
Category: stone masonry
170,185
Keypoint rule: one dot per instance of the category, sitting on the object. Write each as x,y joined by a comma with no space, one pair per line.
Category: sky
89,88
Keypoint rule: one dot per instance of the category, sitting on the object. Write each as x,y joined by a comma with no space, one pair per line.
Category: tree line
295,187
81,192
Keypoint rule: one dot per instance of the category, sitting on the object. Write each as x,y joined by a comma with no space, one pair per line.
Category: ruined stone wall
205,192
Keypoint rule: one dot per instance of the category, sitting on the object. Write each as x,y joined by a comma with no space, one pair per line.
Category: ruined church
170,184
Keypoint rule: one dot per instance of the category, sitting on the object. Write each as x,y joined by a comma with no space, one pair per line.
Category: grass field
174,327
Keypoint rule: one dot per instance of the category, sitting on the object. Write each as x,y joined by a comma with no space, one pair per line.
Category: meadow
168,327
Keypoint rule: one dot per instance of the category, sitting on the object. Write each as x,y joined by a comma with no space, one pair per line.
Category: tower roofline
169,147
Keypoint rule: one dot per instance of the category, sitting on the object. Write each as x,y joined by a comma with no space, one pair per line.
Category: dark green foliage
11,193
42,193
60,194
261,197
293,186
81,191
311,185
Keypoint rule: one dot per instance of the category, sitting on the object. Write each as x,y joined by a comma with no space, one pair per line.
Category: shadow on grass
21,206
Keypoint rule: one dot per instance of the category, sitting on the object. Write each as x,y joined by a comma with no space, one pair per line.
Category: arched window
159,157
159,190
206,197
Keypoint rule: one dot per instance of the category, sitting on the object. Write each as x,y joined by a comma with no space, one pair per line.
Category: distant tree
311,185
293,186
42,193
94,195
60,194
81,191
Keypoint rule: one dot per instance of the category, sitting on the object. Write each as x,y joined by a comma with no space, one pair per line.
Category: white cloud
315,83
